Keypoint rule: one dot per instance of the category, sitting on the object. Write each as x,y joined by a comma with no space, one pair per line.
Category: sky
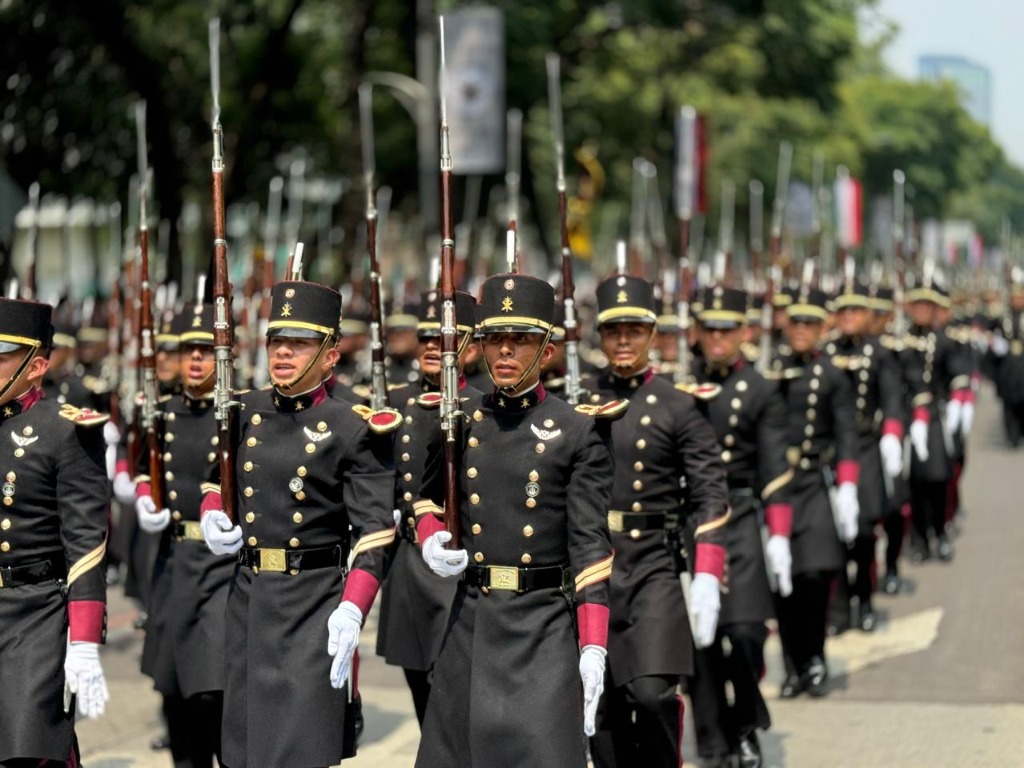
987,32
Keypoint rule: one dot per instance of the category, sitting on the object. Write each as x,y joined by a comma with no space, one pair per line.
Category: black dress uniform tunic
53,535
307,468
534,488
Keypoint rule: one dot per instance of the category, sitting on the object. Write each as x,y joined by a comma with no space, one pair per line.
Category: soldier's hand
919,438
892,454
124,488
954,413
444,562
83,676
1000,346
780,561
849,511
151,520
592,662
967,418
343,627
705,603
222,536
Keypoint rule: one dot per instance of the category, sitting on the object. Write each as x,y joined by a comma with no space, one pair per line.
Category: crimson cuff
592,619
427,526
710,559
922,413
847,471
143,489
121,465
361,588
893,427
210,501
779,518
87,621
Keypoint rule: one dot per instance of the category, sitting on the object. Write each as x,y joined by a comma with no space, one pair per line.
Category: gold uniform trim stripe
196,336
960,382
426,507
617,312
599,571
853,300
22,340
516,320
777,483
810,310
718,522
210,487
299,324
722,314
374,540
87,563
925,398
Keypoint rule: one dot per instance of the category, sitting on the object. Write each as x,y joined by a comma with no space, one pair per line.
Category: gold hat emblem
197,321
289,293
510,284
622,297
286,310
431,312
506,304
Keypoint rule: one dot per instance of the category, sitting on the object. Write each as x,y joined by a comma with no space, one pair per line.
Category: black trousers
802,619
895,530
640,724
720,722
419,686
928,509
1013,422
861,554
193,727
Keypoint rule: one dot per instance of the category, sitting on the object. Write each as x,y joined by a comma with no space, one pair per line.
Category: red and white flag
849,209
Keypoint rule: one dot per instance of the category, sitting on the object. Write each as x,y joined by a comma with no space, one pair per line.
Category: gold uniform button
527,558
176,516
8,501
809,431
478,416
638,485
300,495
170,417
734,420
247,466
531,503
862,389
476,529
256,418
310,447
652,399
471,472
214,441
411,521
167,456
736,403
26,431
407,496
539,448
634,534
811,414
528,531
478,557
474,498
814,384
19,452
297,517
301,471
169,476
645,420
534,477
169,437
406,438
5,547
173,495
812,399
641,443
250,517
251,442
321,426
293,542
252,541
807,446
729,441
405,457
726,456
11,477
473,442
410,401
408,419
5,524
861,403
407,477
805,463
638,466
211,456
248,491
637,506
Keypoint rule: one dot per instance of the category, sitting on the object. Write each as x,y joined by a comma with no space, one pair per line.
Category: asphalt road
940,682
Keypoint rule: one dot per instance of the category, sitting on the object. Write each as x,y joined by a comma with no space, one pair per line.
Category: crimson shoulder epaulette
379,422
83,417
429,400
704,392
609,410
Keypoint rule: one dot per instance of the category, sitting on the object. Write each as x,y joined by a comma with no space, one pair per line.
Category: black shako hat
25,324
723,308
809,303
302,309
514,303
194,325
883,300
625,299
854,294
429,314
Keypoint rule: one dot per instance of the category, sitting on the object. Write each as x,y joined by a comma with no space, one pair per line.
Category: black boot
892,583
792,686
750,751
815,677
945,549
866,619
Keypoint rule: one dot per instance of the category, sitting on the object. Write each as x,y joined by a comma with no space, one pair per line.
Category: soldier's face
853,321
197,363
32,375
509,356
720,345
428,352
922,313
627,345
168,365
294,363
803,334
401,343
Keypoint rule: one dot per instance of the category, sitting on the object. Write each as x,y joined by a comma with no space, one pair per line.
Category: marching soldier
666,456
308,469
1007,352
874,374
821,434
414,602
400,342
60,382
533,489
53,535
749,419
183,649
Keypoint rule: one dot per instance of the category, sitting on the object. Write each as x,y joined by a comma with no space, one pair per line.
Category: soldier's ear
37,367
547,354
331,356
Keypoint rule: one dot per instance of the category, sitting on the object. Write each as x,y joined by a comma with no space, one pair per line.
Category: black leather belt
513,579
641,521
54,567
407,531
290,560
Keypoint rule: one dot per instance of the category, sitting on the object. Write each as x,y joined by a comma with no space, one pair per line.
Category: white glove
1000,346
919,438
111,434
151,520
343,627
705,603
967,418
83,676
124,488
444,562
780,560
892,454
849,511
592,662
954,413
221,536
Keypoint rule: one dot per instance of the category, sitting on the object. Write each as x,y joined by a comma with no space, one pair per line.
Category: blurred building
973,80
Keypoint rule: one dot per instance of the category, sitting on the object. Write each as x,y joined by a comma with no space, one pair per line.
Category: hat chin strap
17,374
284,386
510,390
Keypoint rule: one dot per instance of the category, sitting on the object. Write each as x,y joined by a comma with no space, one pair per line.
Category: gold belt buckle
617,521
503,577
1,580
192,530
273,560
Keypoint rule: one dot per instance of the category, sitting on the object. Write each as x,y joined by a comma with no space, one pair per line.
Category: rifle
756,226
726,224
638,217
33,241
573,391
899,265
451,416
147,350
225,405
514,128
772,277
686,158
